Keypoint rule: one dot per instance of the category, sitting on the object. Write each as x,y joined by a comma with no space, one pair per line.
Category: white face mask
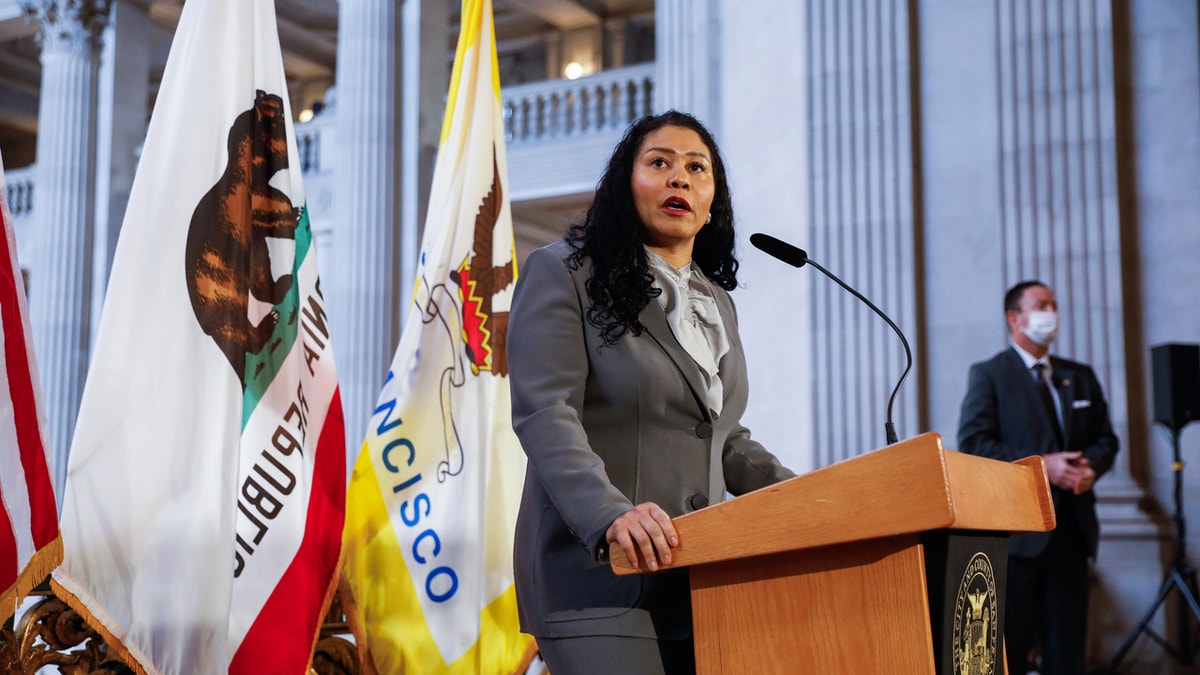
1042,327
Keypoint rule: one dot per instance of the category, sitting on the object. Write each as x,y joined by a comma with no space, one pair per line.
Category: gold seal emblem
976,638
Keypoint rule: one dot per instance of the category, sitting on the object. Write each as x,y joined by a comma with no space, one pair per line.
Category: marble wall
933,153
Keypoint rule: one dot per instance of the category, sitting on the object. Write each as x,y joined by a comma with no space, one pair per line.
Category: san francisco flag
433,499
29,543
205,490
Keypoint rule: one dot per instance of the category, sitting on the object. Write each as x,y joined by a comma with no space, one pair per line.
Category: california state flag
433,498
205,491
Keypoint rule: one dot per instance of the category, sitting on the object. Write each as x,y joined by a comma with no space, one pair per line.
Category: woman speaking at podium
628,385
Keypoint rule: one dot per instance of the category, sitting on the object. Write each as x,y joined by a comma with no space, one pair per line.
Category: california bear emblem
227,256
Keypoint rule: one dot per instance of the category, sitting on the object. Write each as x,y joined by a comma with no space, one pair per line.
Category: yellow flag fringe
331,590
40,565
350,609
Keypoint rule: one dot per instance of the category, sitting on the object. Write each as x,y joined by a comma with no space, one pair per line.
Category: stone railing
18,191
542,113
560,109
308,142
313,141
49,633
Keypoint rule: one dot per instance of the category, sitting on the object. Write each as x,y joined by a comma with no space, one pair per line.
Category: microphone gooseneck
797,257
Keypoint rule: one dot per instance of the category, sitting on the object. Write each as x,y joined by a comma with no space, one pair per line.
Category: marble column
862,214
124,84
1060,217
425,79
61,269
1058,181
363,274
687,62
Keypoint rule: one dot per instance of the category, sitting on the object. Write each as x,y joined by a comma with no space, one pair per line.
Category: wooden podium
834,571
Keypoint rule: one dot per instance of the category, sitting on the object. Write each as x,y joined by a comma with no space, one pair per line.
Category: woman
628,384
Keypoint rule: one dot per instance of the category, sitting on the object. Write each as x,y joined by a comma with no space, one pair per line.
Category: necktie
1039,374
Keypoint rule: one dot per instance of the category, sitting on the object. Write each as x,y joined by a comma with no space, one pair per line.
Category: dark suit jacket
606,428
1003,418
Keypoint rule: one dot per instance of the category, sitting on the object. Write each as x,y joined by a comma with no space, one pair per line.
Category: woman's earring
708,219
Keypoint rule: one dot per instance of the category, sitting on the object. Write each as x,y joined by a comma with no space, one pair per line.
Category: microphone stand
888,427
785,252
1181,577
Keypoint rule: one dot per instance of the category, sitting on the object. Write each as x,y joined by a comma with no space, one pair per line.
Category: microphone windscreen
796,257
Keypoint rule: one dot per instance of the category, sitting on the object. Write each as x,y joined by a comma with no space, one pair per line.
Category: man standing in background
1023,402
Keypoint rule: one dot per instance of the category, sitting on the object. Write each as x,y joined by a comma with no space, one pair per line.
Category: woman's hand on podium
644,529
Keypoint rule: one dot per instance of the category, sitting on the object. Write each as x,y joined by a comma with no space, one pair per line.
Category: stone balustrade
556,109
18,191
308,142
550,113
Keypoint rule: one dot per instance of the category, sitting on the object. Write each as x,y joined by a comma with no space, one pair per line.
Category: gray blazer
1003,418
606,428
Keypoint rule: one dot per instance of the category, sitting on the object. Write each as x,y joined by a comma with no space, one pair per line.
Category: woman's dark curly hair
611,234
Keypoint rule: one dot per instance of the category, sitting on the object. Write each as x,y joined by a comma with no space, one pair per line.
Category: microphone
796,257
781,250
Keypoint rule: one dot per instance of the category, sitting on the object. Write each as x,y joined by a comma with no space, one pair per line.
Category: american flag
29,542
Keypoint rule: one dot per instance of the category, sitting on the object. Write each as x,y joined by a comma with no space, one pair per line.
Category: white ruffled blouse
689,301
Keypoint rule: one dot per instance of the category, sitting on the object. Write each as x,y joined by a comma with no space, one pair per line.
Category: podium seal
976,638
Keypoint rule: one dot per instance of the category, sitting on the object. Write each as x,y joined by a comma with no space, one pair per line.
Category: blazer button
698,501
704,430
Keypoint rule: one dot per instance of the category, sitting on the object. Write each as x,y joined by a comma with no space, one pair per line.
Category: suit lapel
1062,378
654,321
